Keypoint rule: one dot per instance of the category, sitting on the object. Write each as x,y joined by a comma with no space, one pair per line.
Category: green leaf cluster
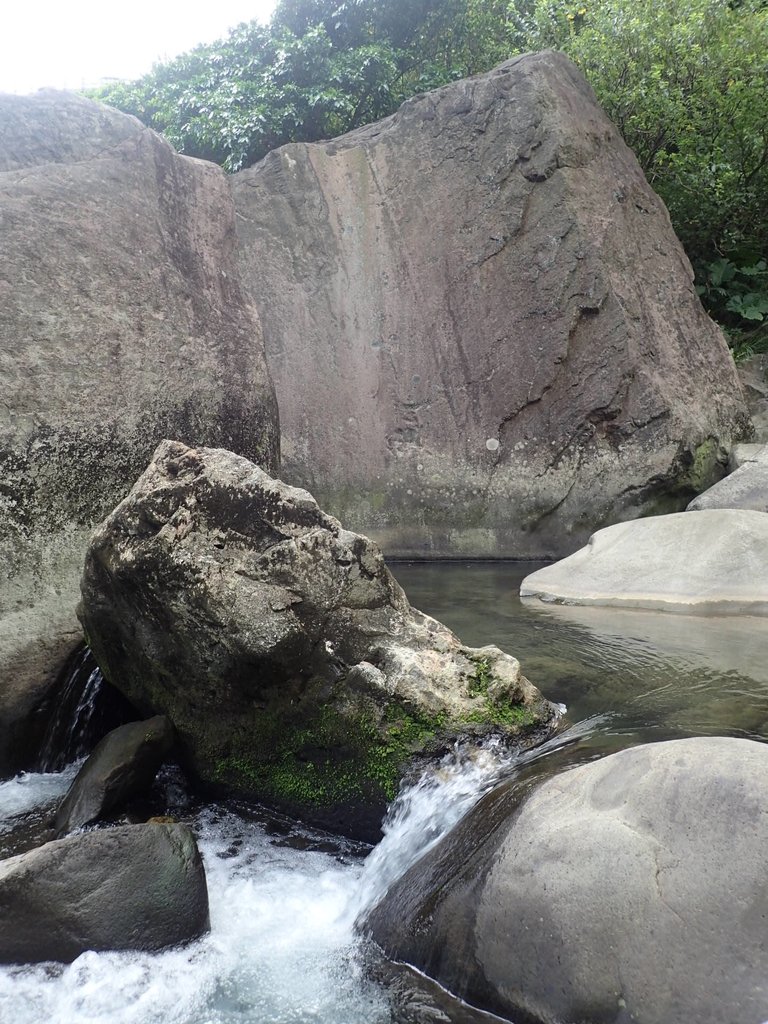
320,69
738,299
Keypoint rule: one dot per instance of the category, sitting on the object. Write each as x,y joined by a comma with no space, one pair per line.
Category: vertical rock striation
121,321
483,332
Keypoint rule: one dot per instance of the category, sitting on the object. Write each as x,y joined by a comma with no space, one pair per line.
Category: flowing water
284,899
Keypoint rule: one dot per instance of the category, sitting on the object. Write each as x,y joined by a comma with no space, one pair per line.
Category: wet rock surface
136,887
121,766
279,644
122,321
629,889
483,331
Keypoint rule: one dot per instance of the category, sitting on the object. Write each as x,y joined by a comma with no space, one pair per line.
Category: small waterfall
426,810
68,736
87,708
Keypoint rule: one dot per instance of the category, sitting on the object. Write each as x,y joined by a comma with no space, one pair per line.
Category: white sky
70,44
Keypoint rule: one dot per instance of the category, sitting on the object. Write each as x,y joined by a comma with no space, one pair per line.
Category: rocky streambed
283,898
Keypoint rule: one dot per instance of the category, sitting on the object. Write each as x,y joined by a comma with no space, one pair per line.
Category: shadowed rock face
121,321
135,887
483,332
122,765
628,889
279,644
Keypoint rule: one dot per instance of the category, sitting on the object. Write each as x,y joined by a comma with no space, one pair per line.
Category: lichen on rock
280,645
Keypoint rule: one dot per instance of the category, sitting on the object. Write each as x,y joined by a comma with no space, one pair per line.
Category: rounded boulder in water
122,765
628,889
138,887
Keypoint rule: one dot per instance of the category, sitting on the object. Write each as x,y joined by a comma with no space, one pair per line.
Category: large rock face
121,322
135,887
630,889
279,644
482,330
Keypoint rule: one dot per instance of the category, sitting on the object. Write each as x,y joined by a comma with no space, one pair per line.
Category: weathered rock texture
482,330
713,562
134,887
121,322
122,765
279,644
630,889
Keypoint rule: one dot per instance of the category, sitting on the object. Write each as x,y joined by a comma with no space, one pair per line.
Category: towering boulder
121,321
280,645
482,329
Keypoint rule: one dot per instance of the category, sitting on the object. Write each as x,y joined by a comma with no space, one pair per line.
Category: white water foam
281,950
282,947
425,811
29,790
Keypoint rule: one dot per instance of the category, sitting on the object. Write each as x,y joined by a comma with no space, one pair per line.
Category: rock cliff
482,329
121,321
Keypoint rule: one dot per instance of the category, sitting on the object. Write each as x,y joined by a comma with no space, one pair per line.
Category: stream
284,899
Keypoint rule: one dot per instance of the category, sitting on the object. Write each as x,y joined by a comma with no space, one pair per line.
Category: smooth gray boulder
280,645
122,321
746,487
711,563
630,889
483,332
122,765
134,887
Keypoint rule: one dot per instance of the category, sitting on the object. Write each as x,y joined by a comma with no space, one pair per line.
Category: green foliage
320,69
686,82
481,679
738,298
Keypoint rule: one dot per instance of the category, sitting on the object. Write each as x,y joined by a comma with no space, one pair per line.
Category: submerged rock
483,332
122,321
122,765
135,887
628,889
712,563
280,645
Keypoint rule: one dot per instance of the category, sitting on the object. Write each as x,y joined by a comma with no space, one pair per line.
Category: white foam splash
281,950
282,947
425,811
29,790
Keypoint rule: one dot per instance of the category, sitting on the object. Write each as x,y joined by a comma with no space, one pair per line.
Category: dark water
634,676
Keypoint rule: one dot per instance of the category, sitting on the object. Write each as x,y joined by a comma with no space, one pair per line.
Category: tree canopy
321,68
686,82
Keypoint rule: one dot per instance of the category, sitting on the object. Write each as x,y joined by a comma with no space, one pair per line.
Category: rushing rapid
283,948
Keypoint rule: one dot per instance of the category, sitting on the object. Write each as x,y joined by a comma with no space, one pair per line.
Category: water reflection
650,675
